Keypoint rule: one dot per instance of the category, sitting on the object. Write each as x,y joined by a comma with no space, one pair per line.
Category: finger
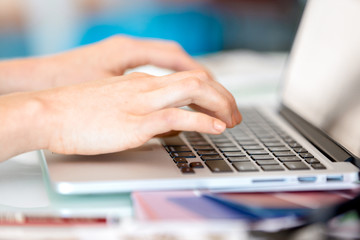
206,96
200,74
203,75
161,53
179,120
192,91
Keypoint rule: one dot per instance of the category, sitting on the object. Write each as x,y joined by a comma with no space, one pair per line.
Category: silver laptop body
310,142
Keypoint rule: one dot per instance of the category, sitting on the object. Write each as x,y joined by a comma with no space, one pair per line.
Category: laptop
311,141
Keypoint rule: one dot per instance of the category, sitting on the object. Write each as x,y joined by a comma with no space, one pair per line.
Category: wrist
22,124
30,74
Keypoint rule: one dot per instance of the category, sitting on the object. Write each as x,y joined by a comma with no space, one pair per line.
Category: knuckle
119,38
193,84
114,39
224,104
174,45
203,74
120,41
169,116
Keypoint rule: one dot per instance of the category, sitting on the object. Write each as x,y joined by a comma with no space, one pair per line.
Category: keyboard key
281,133
234,154
272,168
180,160
306,155
283,154
182,165
300,150
242,138
194,137
253,147
257,152
264,137
203,147
183,148
290,159
274,144
230,149
198,143
173,141
207,152
262,157
221,140
220,145
196,140
238,159
245,167
192,134
196,165
288,140
311,160
218,166
270,140
182,154
296,166
317,166
247,143
266,162
278,149
267,138
295,145
220,136
211,157
187,170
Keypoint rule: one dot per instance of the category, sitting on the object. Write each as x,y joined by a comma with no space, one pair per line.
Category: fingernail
219,126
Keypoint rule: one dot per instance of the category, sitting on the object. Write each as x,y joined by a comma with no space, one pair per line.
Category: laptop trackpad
148,161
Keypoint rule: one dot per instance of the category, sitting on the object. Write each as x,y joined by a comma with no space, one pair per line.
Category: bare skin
108,58
83,104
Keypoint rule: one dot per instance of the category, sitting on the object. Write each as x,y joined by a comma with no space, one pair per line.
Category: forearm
21,124
20,75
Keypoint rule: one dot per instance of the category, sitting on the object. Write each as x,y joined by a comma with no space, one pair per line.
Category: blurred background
40,27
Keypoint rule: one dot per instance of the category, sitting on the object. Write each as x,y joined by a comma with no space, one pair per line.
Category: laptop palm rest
146,162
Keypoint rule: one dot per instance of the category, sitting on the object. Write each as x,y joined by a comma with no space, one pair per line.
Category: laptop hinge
318,138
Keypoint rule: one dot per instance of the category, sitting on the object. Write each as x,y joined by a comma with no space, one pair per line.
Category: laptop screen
323,75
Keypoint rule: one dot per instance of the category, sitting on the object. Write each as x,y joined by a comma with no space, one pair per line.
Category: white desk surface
251,77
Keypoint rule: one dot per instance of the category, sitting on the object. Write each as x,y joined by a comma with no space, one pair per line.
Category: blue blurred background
40,27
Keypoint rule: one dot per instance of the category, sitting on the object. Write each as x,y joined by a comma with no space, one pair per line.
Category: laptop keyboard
256,145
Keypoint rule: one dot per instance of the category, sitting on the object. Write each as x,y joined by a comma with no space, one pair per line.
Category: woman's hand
124,112
107,58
